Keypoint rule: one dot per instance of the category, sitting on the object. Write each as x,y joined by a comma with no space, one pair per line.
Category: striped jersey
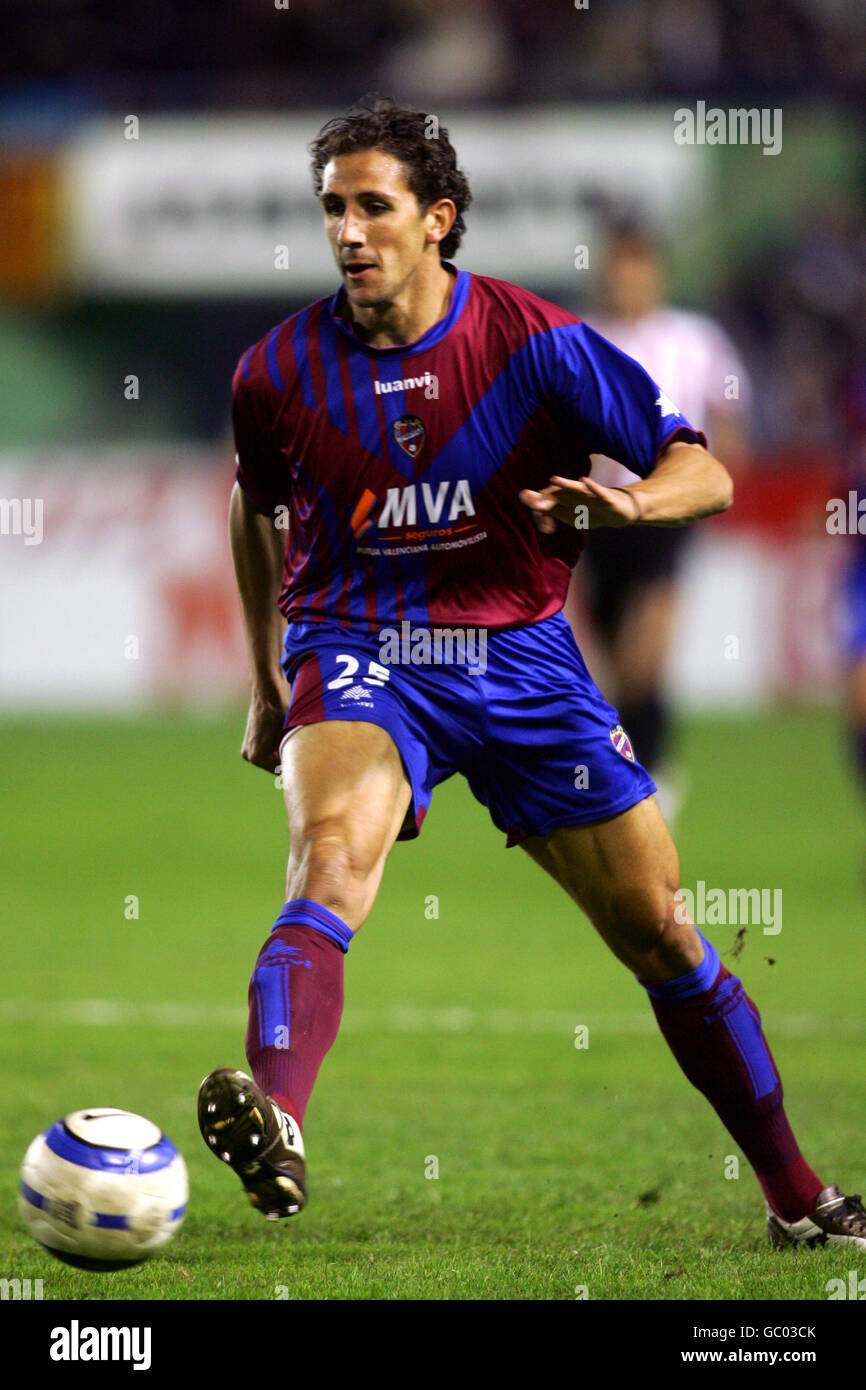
396,470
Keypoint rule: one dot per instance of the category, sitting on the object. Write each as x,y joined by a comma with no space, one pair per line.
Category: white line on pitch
397,1018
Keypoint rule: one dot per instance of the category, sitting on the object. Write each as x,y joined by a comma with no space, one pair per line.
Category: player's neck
423,301
636,312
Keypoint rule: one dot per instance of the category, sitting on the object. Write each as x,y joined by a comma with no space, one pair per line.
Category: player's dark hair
633,238
415,138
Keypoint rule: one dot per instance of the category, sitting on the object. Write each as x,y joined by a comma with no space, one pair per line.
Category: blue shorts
854,609
520,717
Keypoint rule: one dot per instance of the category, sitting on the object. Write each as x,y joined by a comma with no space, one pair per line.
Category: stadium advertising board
224,205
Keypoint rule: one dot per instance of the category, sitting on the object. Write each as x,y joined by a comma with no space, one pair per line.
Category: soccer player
631,574
427,433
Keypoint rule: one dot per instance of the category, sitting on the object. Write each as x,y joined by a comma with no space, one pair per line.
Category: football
103,1189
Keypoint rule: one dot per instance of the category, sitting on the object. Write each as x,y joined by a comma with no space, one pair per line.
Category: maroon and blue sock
296,1002
714,1031
859,743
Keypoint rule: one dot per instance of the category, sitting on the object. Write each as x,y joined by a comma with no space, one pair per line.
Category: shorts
618,560
519,717
853,612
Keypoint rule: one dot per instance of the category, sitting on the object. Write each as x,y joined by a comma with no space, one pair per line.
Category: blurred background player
631,575
853,402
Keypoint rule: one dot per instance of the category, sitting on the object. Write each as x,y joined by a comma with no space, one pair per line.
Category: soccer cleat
834,1220
263,1145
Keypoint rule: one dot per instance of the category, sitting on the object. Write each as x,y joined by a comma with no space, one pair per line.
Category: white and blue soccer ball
103,1189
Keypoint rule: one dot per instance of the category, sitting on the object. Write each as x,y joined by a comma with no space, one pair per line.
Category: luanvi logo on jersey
429,381
410,434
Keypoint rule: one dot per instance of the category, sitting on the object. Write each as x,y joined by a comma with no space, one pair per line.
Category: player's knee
329,869
670,945
647,901
657,942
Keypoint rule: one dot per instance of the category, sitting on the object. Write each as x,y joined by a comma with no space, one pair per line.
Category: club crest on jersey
410,434
622,743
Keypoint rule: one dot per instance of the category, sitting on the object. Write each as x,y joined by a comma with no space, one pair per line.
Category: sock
646,722
859,741
714,1031
296,1002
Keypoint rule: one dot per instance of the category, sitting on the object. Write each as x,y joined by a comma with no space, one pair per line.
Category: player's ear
440,219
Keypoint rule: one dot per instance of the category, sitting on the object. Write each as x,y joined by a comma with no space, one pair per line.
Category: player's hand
582,503
262,735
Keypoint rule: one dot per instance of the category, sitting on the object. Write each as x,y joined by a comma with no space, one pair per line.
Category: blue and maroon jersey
396,470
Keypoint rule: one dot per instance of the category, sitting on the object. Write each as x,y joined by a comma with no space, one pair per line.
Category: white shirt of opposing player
693,361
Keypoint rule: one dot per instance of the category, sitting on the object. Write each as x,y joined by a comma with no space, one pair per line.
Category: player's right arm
259,549
258,552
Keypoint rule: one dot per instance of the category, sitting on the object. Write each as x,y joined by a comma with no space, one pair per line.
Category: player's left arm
617,409
686,484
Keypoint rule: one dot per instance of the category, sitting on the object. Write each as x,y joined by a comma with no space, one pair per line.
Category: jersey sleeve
260,467
616,407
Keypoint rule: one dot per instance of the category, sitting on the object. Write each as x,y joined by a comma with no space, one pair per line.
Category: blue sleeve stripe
271,359
365,403
305,376
333,380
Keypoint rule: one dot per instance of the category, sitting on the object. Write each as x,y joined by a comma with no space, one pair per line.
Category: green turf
558,1167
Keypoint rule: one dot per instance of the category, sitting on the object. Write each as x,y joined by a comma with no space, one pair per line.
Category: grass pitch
460,1145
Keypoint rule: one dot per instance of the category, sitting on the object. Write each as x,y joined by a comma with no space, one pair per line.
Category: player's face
634,282
377,231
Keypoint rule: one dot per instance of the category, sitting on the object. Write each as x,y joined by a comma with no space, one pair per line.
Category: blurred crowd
799,317
791,293
276,52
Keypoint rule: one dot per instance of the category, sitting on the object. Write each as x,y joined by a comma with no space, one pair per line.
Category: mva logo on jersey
401,505
621,742
410,434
